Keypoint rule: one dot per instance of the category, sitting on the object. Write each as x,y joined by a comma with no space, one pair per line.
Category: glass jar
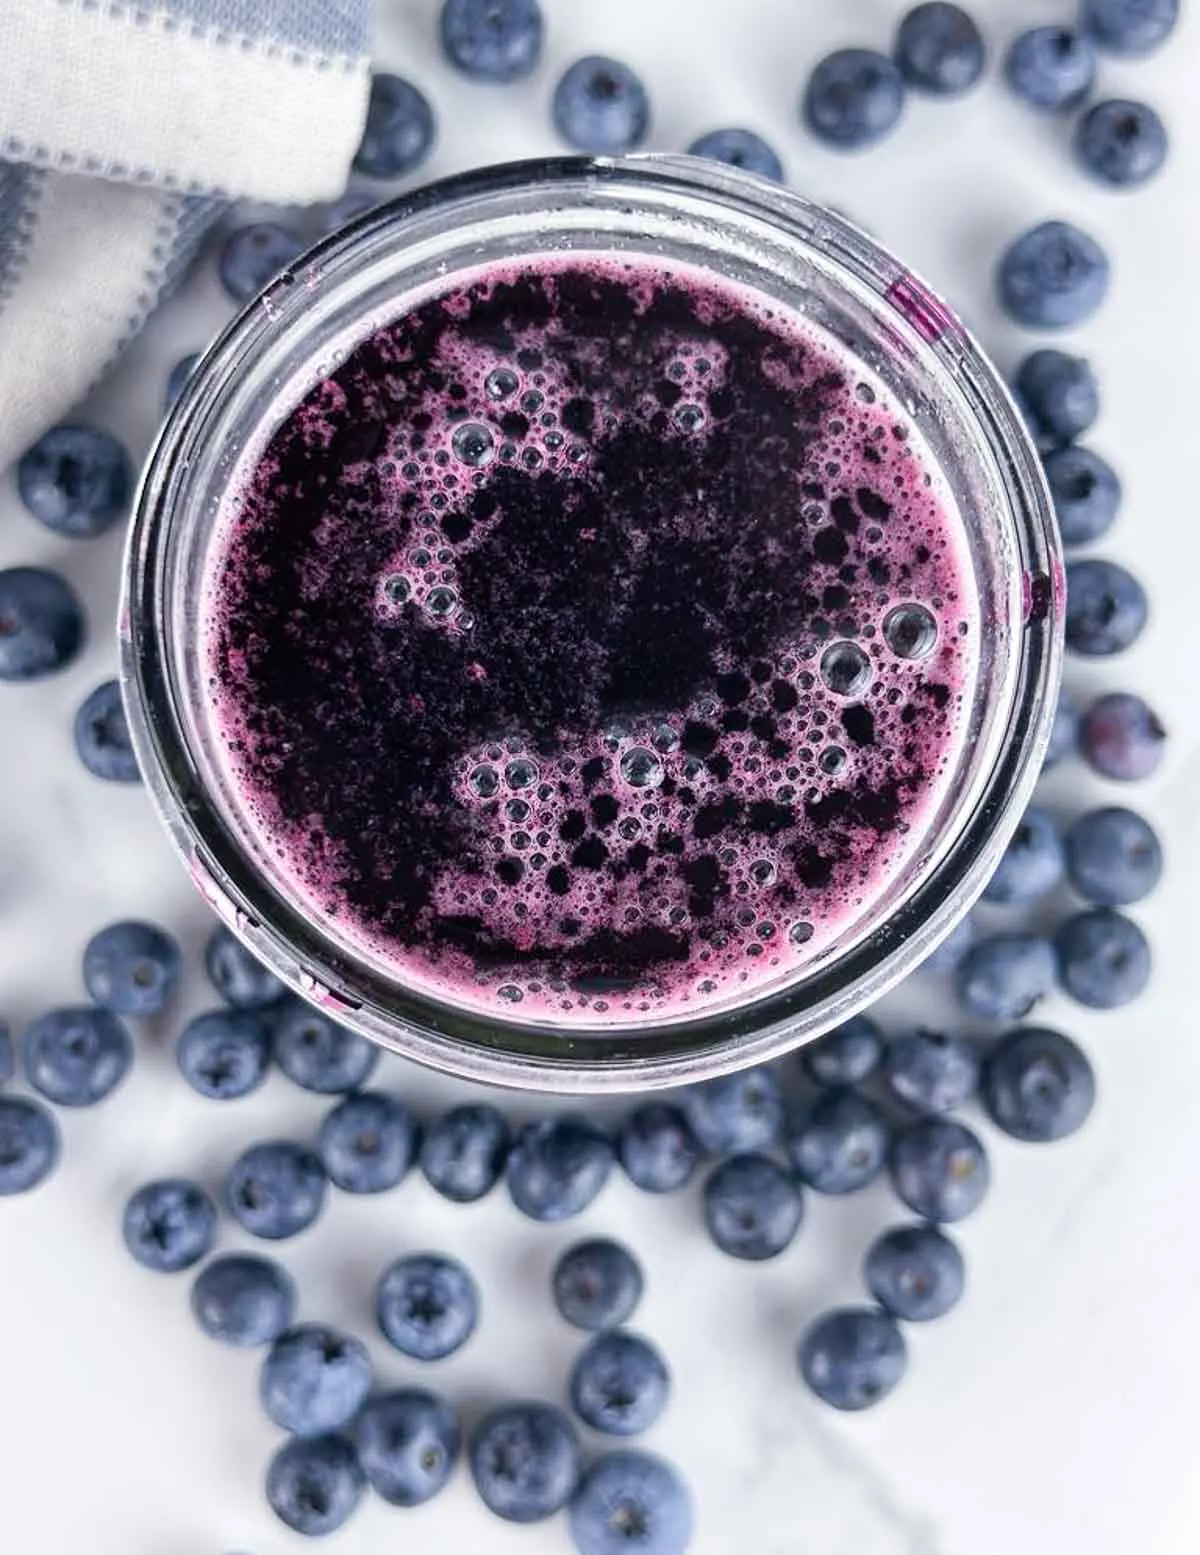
673,209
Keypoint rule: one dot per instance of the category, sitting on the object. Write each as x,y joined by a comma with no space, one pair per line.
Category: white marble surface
1054,1411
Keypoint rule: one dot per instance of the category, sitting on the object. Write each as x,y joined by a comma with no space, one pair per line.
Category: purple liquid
595,641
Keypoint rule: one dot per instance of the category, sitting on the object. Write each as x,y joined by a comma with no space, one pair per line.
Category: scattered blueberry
41,623
399,131
368,1142
1064,730
1103,958
224,1054
1059,394
852,1357
29,1145
939,49
739,148
314,1484
244,1300
493,40
931,1071
317,1053
619,1384
1114,857
8,1053
946,956
735,1112
1130,26
238,975
77,480
597,1284
853,98
846,1055
169,1225
75,1057
1122,737
1052,276
276,1189
132,968
102,736
408,1443
251,256
1037,1086
314,1379
427,1306
915,1273
631,1503
525,1461
657,1147
1051,68
178,376
601,106
556,1167
1031,866
1121,143
465,1150
939,1169
1106,608
1003,977
840,1143
1086,493
752,1207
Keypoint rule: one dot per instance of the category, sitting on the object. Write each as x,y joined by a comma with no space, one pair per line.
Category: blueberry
399,131
41,623
1003,977
601,106
939,49
557,1167
314,1379
224,1054
102,736
852,1357
77,480
238,975
178,376
8,1053
132,968
1037,1085
465,1150
915,1273
1052,276
657,1147
314,1484
75,1057
29,1145
1059,394
597,1284
846,1055
939,1169
244,1300
1114,857
1051,67
1106,608
1086,493
408,1443
317,1053
853,98
946,956
1064,730
253,255
739,148
1130,26
752,1207
736,1111
840,1144
1031,866
427,1306
931,1071
1122,143
525,1461
169,1225
631,1503
493,40
1103,958
368,1142
619,1384
276,1189
1122,737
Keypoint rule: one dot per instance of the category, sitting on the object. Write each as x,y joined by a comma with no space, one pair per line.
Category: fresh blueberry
915,1273
1130,26
1086,493
1051,68
631,1503
427,1306
739,148
752,1207
846,1055
939,49
244,1300
939,1169
525,1461
1103,958
77,480
314,1484
170,1225
1031,866
852,1357
314,1379
946,956
276,1189
1064,730
1122,737
657,1147
29,1145
399,131
408,1443
102,736
853,98
557,1167
317,1053
224,1054
238,975
178,376
931,1071
368,1142
251,256
132,968
75,1057
1106,608
8,1053
619,1384
1059,394
1114,857
1003,977
1122,143
465,1150
1037,1085
41,623
736,1111
597,1284
493,40
840,1144
601,106
1052,276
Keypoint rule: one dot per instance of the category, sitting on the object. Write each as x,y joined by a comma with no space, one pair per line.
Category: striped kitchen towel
125,126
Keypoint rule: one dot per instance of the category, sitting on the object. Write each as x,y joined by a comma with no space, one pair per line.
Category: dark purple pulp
594,641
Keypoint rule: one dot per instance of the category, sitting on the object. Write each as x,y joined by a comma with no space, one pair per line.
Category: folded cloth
125,128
